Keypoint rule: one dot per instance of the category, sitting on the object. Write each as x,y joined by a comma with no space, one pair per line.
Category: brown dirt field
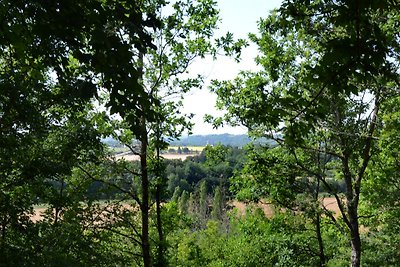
166,156
241,207
38,214
177,156
329,202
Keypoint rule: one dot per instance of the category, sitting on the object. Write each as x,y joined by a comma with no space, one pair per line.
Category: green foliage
184,202
55,57
326,71
176,195
218,204
189,174
326,93
382,246
252,240
271,172
381,201
203,201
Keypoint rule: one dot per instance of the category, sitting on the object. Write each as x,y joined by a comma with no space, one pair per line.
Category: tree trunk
144,207
161,246
355,235
321,253
352,198
159,186
355,251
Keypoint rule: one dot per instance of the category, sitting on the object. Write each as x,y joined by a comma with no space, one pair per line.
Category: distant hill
212,139
111,142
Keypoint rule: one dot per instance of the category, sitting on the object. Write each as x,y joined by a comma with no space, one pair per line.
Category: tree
55,58
218,204
327,67
221,161
381,197
278,174
152,117
184,202
203,201
176,195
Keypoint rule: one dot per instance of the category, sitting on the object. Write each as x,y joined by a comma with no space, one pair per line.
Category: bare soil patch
242,207
329,202
38,215
102,212
131,157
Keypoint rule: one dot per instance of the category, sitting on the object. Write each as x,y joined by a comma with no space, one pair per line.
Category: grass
41,206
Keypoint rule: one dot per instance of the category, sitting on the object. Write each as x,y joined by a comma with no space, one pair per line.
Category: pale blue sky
239,17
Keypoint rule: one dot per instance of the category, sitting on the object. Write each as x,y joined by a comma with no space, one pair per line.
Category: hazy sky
239,17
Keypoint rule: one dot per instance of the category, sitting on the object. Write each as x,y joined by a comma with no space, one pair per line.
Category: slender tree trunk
352,222
354,234
352,200
321,253
161,245
3,230
355,250
145,197
144,205
57,209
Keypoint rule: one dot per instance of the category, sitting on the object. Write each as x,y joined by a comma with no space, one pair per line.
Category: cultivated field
130,157
329,202
191,148
38,214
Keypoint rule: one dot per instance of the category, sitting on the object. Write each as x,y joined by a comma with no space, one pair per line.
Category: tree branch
368,145
131,194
